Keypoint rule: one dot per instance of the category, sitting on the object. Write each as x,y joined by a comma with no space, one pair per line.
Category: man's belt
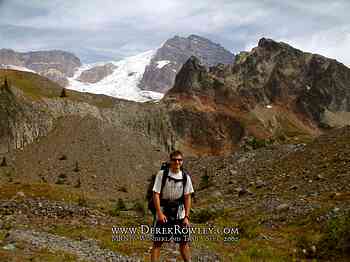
171,203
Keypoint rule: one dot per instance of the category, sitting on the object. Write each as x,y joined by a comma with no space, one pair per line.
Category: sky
100,30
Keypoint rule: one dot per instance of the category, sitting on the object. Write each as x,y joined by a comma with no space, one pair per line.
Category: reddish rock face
274,90
207,133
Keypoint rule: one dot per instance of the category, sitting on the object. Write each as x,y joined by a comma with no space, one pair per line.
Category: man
173,204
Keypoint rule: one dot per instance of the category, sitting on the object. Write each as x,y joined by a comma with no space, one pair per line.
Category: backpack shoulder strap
184,181
165,176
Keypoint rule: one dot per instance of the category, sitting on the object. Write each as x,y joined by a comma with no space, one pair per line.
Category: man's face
176,162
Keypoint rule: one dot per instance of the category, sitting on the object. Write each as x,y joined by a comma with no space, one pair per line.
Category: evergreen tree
63,93
3,163
6,84
76,168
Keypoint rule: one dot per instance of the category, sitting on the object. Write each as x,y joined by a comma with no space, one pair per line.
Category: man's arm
187,208
156,201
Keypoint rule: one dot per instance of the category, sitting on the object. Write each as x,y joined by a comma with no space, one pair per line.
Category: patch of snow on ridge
18,68
123,82
162,63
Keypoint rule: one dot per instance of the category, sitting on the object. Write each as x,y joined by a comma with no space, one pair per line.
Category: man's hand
186,222
162,218
187,203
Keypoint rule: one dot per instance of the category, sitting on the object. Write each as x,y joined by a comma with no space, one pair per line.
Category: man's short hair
176,153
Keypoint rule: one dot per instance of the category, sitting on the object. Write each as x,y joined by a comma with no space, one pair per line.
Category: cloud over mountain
118,28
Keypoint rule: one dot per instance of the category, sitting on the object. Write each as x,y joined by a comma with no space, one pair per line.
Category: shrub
333,241
78,184
248,229
63,157
306,246
76,168
119,206
256,143
140,208
6,84
63,93
204,215
204,183
123,189
336,237
61,179
82,201
3,162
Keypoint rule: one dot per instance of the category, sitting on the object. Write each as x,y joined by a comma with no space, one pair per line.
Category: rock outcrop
55,65
20,121
160,73
42,61
10,57
96,73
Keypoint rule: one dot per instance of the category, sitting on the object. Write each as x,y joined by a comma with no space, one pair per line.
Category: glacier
123,82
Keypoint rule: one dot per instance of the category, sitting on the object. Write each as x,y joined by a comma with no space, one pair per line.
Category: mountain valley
266,140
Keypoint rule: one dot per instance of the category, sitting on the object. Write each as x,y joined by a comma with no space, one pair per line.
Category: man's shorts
171,230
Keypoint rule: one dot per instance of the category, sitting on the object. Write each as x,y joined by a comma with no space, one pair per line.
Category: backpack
149,196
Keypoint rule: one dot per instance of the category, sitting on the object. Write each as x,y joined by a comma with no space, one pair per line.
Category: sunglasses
176,159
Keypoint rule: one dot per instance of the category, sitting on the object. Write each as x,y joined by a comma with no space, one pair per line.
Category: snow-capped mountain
122,82
169,58
143,77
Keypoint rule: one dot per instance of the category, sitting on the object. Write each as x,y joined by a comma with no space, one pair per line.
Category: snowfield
123,82
161,64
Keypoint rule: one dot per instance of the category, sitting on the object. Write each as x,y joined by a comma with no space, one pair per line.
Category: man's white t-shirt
173,190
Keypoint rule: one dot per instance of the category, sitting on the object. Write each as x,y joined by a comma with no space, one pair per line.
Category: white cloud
129,27
332,43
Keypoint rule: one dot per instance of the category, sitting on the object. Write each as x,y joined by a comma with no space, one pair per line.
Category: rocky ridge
274,91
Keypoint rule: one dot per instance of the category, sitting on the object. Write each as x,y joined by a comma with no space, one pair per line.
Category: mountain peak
175,53
272,45
190,76
197,37
6,50
267,42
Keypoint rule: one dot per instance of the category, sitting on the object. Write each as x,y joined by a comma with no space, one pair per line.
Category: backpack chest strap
175,179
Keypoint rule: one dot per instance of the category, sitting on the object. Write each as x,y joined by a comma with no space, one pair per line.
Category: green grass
256,252
37,87
33,85
50,192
